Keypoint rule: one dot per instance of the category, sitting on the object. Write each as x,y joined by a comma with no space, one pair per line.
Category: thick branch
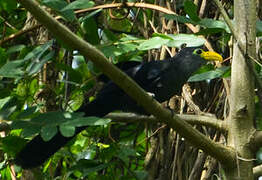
191,119
224,154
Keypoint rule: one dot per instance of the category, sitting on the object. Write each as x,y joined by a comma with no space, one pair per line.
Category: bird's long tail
37,151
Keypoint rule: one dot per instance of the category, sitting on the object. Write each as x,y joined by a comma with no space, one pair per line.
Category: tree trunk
241,117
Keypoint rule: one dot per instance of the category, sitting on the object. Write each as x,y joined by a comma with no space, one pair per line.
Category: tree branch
191,119
224,154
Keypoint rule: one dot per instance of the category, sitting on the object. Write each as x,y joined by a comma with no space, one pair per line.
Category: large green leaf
189,39
91,31
211,23
155,42
219,72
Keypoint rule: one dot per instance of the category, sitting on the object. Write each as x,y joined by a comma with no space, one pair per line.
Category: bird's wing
150,75
124,66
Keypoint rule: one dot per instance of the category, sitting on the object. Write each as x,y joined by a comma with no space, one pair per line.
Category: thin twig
204,120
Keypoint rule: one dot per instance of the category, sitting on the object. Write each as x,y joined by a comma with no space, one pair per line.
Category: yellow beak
211,56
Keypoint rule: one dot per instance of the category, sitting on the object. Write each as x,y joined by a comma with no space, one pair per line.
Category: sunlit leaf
189,39
155,42
219,72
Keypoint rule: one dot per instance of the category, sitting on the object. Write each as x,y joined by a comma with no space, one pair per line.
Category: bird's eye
198,51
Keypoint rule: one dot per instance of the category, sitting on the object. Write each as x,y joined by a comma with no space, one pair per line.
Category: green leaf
48,132
111,51
28,127
191,10
15,48
164,36
27,112
87,121
90,15
35,67
219,72
211,23
91,31
67,131
155,42
127,48
206,22
58,6
4,101
190,40
12,69
126,37
39,51
79,4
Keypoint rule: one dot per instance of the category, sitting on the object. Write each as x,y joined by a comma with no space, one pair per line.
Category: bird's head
207,55
191,58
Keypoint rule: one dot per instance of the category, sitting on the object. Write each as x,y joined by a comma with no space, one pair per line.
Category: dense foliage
42,82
